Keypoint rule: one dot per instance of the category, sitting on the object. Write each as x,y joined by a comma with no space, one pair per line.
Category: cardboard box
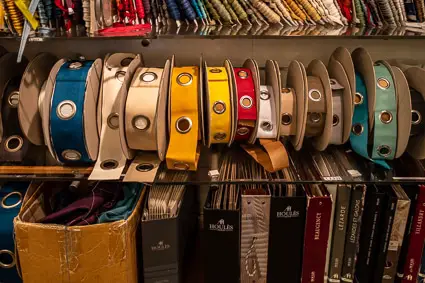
56,253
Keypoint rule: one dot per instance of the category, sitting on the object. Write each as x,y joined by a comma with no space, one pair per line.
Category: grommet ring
113,121
219,107
66,110
357,129
332,81
242,74
220,136
416,117
13,261
13,143
314,94
358,98
71,155
120,76
264,95
315,117
215,71
109,164
3,200
126,61
266,126
75,65
285,90
181,165
184,79
148,77
286,119
385,117
183,125
141,122
384,150
242,131
383,83
145,167
13,99
245,101
335,120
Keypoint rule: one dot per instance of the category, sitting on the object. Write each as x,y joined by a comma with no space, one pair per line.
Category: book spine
316,239
352,235
416,240
421,275
396,240
339,229
368,237
332,189
385,232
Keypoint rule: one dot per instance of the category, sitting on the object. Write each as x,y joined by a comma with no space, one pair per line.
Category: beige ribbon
288,112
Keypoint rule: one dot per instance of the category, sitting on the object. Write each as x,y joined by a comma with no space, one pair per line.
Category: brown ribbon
316,107
272,155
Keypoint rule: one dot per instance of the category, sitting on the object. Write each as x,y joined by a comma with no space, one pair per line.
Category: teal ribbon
123,209
359,142
385,134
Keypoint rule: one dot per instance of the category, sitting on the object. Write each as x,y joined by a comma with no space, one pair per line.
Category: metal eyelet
183,125
357,129
113,121
286,119
416,117
358,98
13,99
243,74
315,117
182,76
109,164
245,101
12,263
335,120
332,81
242,131
215,71
71,155
266,126
383,83
219,107
120,75
384,150
148,77
314,94
126,62
264,95
285,90
75,65
141,122
66,110
385,117
181,166
145,167
3,200
13,143
220,136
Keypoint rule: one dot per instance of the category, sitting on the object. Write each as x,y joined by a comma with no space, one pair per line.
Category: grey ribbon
338,112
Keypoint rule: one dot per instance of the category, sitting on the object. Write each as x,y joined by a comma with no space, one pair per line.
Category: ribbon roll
288,112
338,112
218,105
267,128
111,159
11,198
247,104
183,151
385,131
73,125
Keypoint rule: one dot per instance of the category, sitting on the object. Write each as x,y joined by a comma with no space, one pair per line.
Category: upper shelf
243,31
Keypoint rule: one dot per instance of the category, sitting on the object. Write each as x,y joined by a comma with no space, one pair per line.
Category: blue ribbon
359,142
69,134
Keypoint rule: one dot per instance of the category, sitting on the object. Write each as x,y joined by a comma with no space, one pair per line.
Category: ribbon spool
11,197
246,97
14,145
73,126
111,159
297,86
185,125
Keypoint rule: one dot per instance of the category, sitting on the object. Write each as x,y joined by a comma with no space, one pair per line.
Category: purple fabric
86,210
